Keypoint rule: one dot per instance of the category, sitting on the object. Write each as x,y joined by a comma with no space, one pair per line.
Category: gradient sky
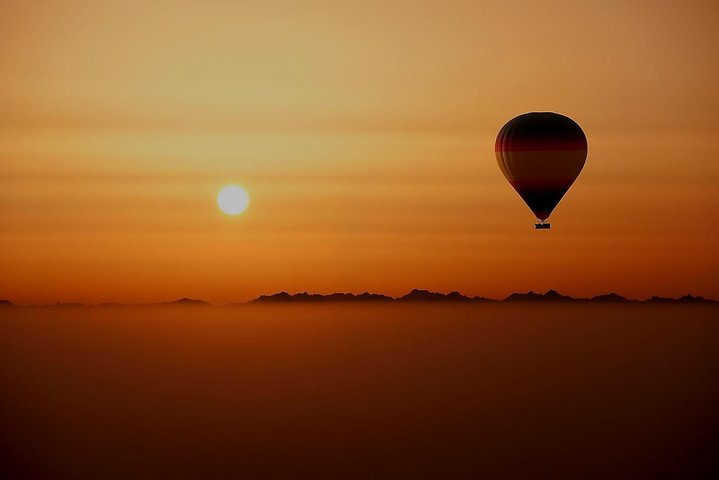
364,132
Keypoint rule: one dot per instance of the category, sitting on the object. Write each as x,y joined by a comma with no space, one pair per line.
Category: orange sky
364,132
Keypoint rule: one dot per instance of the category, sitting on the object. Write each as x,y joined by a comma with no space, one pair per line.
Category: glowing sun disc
233,200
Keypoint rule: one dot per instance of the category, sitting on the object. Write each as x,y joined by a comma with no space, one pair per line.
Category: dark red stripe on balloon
579,145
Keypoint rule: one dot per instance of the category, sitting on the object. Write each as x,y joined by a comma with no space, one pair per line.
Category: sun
233,199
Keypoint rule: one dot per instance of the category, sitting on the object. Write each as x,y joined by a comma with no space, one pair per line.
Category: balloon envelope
541,154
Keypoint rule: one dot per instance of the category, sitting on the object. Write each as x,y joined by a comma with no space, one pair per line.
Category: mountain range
416,295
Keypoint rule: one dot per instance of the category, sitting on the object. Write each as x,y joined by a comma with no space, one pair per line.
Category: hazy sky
364,133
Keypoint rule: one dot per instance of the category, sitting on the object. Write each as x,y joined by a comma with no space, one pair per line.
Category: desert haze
343,391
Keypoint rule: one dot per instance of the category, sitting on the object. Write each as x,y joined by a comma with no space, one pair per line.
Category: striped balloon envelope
541,154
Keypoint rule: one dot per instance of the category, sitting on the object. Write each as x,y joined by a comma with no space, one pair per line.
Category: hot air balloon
541,154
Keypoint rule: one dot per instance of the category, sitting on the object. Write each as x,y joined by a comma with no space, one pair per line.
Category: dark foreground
360,392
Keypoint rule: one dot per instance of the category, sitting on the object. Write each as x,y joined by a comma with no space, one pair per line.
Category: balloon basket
541,226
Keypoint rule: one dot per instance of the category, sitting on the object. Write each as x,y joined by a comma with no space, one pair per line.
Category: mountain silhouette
609,298
416,295
284,297
183,301
684,299
551,296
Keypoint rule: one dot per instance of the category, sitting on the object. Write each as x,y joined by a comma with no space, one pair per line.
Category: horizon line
414,295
